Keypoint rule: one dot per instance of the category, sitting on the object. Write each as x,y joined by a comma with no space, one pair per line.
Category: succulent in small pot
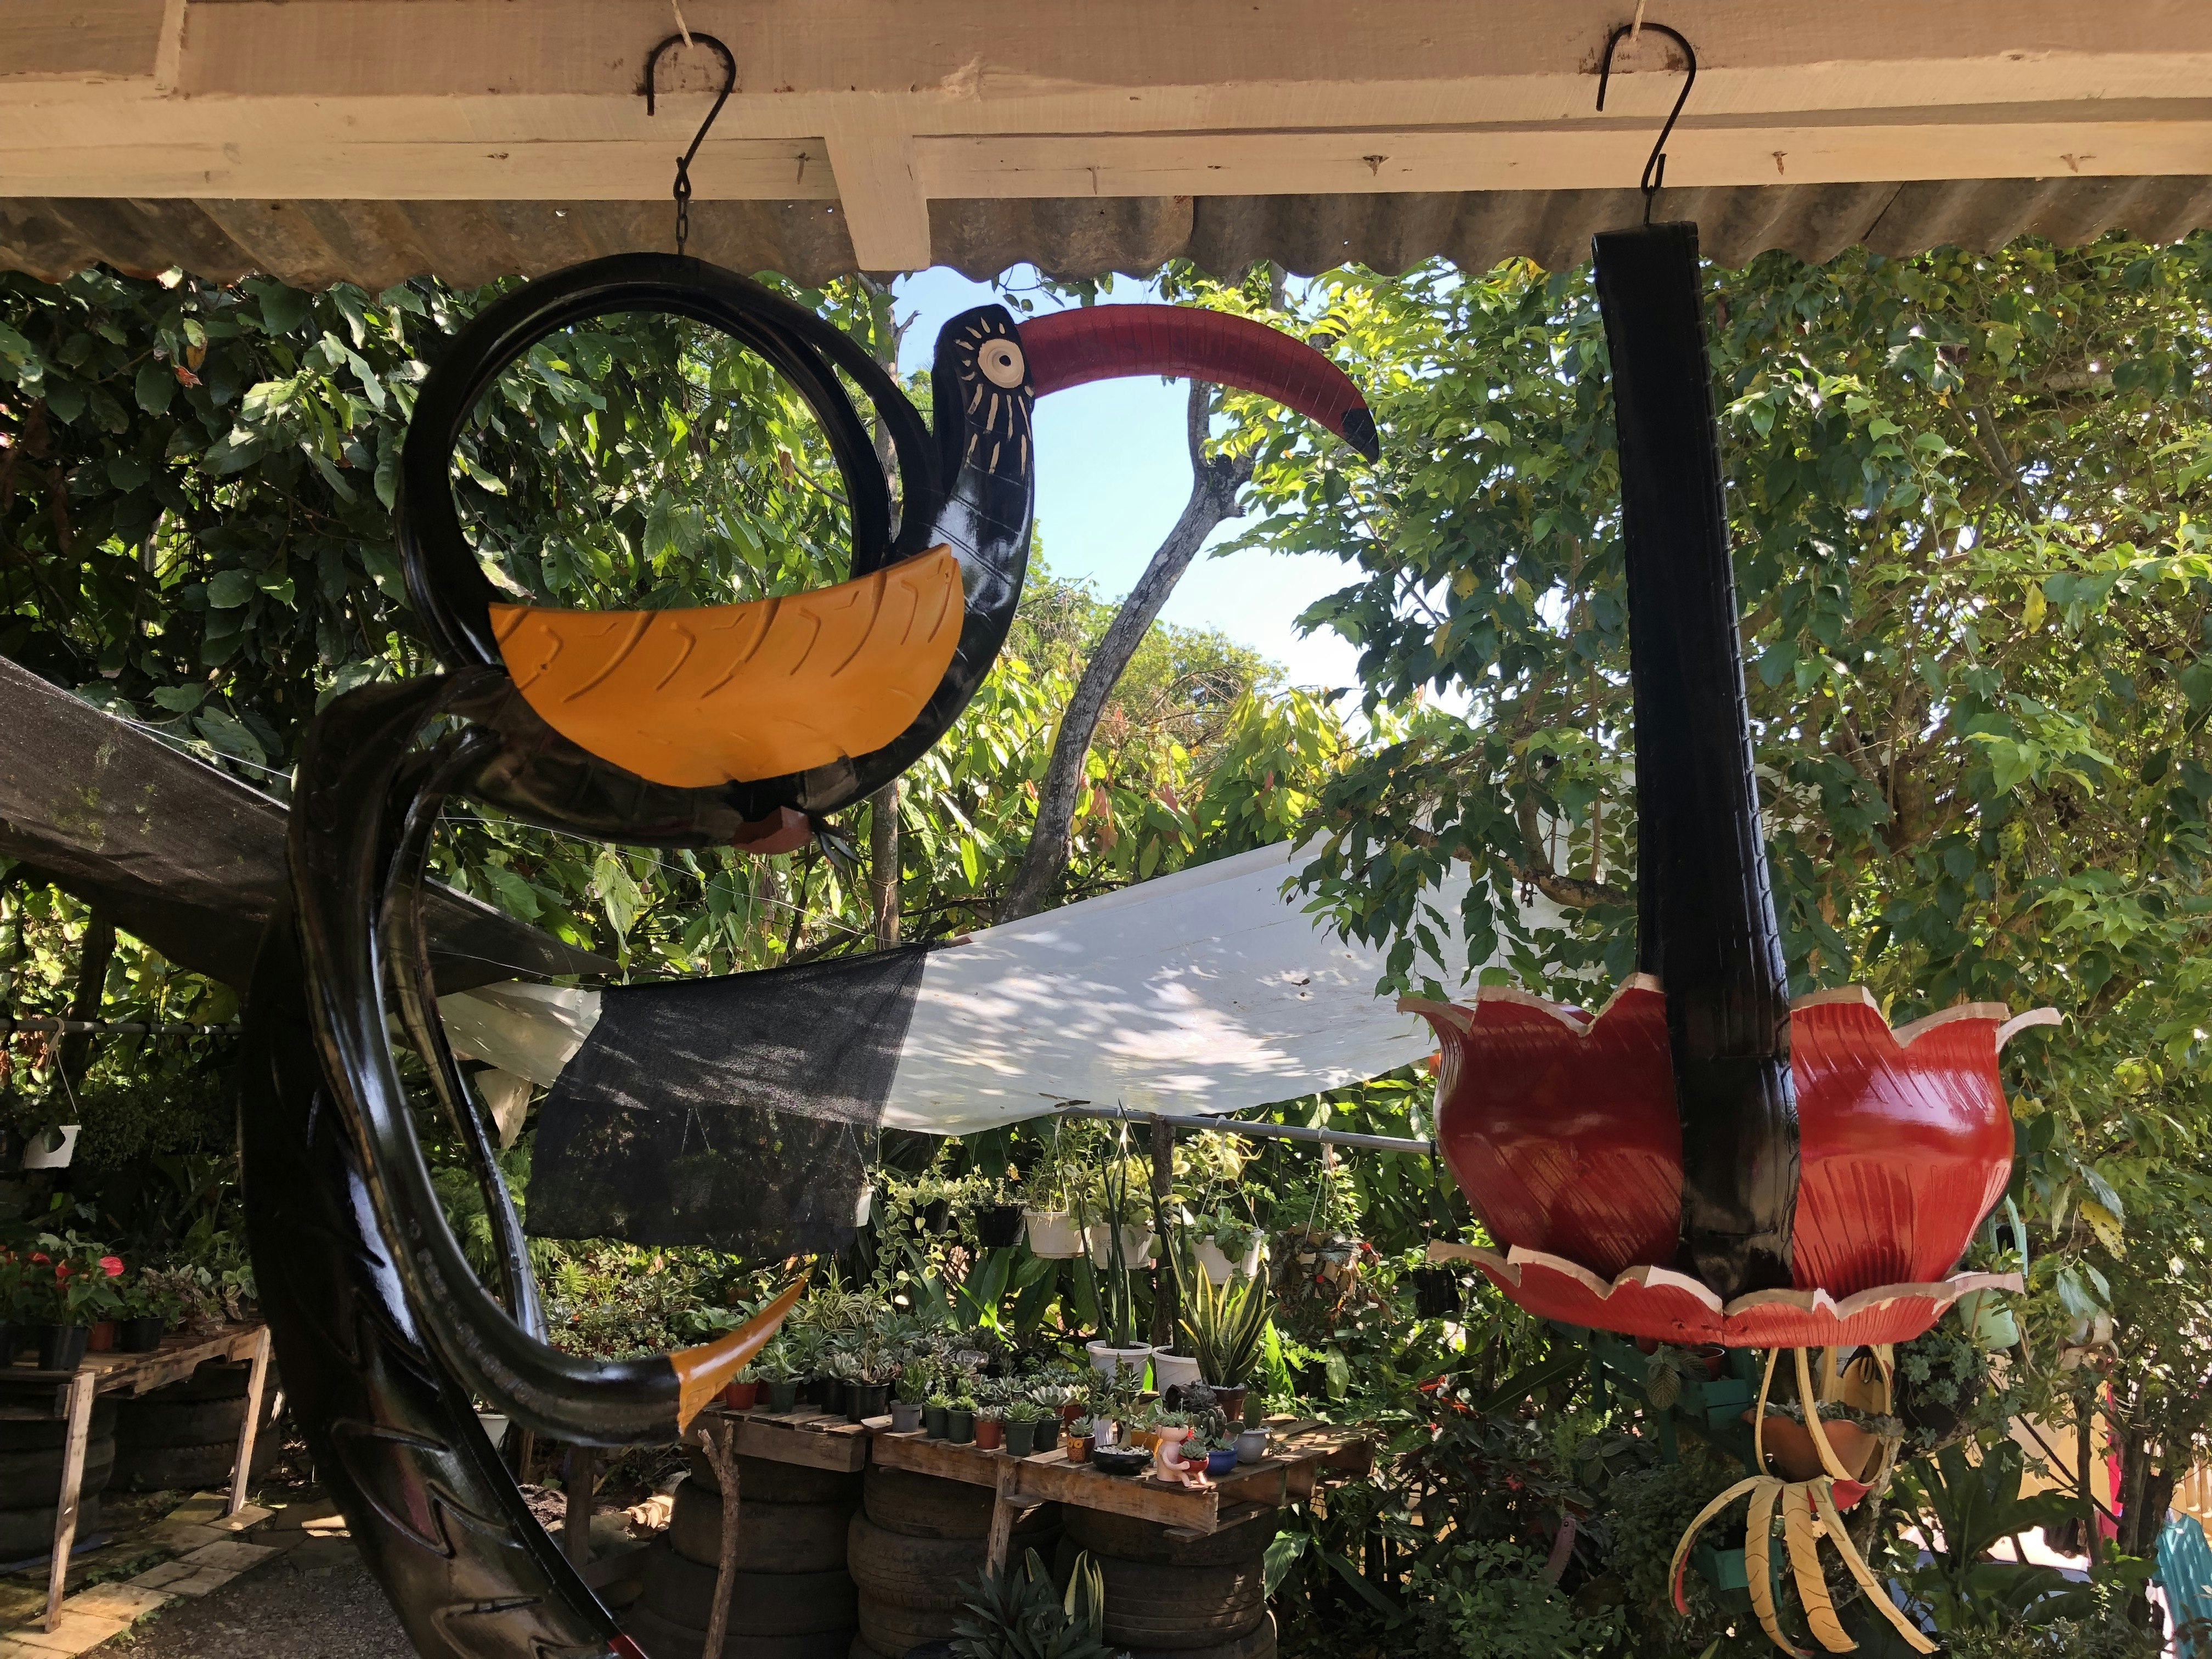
960,1423
742,1393
990,1427
779,1374
1024,1418
1079,1447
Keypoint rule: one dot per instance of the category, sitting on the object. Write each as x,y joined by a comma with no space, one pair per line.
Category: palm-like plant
1018,1614
1225,1325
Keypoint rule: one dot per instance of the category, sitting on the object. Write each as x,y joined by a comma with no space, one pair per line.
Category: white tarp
1205,991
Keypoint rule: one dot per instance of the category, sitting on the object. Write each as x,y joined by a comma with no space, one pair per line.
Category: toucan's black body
384,1332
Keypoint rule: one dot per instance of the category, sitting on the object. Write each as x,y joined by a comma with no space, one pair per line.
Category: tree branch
1213,488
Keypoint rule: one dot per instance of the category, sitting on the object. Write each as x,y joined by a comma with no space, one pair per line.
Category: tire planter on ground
761,1481
1172,1596
1259,1644
771,1537
682,1592
31,1453
36,1434
184,1436
189,1469
917,1538
25,1534
1130,1539
664,1640
38,1473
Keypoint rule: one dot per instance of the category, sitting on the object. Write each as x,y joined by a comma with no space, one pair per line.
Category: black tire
28,1533
1128,1538
771,1537
664,1640
189,1469
1258,1643
183,1422
929,1506
35,1474
1176,1609
761,1603
782,1483
892,1629
216,1379
36,1434
906,1571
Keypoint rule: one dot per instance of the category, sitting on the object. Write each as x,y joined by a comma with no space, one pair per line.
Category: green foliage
1020,1614
1225,1323
1487,1599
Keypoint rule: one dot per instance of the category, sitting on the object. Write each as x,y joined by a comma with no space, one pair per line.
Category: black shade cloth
188,858
739,1113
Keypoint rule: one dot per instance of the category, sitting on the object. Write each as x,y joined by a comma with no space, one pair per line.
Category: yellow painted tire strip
1758,1564
1805,1567
1875,1592
1829,1461
1689,1538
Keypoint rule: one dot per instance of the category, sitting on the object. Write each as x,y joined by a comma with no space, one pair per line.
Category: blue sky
1112,476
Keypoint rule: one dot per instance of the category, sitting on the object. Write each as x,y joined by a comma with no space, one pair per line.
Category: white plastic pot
1136,1246
1104,1358
52,1150
1990,1324
1172,1370
1220,1269
1053,1234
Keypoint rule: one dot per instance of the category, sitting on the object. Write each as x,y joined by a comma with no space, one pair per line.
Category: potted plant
1022,1420
79,1293
1226,1247
1252,1444
960,1419
990,1426
779,1372
1079,1447
1047,1435
148,1305
744,1392
1053,1234
1225,1325
910,1397
1117,1349
869,1375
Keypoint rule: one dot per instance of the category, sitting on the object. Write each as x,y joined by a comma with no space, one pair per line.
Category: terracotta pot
1790,1446
102,1340
1713,1358
1071,1412
741,1396
990,1433
1231,1401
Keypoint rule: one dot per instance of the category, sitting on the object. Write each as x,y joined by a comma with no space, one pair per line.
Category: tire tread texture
903,1570
930,1506
36,1434
771,1537
779,1483
1178,1609
663,1638
682,1592
28,1533
185,1422
892,1629
1126,1538
175,1468
35,1474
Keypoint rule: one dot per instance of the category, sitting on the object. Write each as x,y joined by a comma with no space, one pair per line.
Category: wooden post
579,1472
241,1468
717,1448
1167,1310
79,1431
1002,1519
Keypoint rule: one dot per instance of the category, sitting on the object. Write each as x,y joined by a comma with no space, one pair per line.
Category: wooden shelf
814,1440
22,1386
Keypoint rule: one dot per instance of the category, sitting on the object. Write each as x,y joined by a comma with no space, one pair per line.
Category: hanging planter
1136,1245
1220,1267
1053,1234
999,1226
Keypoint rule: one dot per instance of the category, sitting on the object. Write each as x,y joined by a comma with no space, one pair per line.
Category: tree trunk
884,861
1213,489
97,951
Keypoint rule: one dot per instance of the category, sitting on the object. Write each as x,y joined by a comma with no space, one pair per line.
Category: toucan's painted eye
1001,363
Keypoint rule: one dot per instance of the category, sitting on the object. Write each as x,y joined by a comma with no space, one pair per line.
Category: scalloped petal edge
1669,1306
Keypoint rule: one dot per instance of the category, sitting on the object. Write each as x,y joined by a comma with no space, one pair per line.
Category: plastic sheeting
1205,991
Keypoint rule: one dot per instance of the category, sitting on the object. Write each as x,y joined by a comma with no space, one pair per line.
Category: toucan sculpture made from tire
679,728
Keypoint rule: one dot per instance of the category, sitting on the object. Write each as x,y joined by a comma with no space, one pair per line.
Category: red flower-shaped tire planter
1562,1129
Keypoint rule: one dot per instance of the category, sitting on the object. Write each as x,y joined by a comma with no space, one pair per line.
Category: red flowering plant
69,1280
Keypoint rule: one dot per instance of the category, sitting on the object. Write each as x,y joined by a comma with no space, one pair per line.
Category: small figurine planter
906,1416
1079,1448
1053,1234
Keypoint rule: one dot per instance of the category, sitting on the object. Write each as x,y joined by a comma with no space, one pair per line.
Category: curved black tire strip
1706,923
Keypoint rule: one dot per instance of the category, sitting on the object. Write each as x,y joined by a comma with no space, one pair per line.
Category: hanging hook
1654,169
683,190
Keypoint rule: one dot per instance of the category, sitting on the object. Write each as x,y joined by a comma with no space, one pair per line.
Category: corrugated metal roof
313,244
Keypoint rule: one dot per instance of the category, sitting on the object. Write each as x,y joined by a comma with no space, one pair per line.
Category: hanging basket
999,1226
1053,1234
1220,1268
1136,1246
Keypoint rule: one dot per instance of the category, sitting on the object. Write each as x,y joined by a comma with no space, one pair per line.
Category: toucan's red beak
1100,343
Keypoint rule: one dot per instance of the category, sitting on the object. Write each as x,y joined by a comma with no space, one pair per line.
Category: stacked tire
916,1541
184,1437
790,1595
1199,1598
31,1453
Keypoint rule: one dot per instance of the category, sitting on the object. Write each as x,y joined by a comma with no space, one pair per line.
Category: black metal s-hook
683,190
1655,167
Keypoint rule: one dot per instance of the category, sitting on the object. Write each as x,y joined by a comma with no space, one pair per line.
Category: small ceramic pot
1121,1460
932,1422
960,1425
1231,1400
140,1335
865,1399
906,1416
102,1337
1221,1460
1021,1438
61,1347
1172,1370
742,1396
1712,1357
1048,1435
990,1433
1053,1234
1790,1446
1251,1445
1079,1448
999,1226
1102,1431
783,1396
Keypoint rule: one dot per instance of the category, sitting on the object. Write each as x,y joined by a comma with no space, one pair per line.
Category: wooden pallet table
816,1440
1286,1475
28,1394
